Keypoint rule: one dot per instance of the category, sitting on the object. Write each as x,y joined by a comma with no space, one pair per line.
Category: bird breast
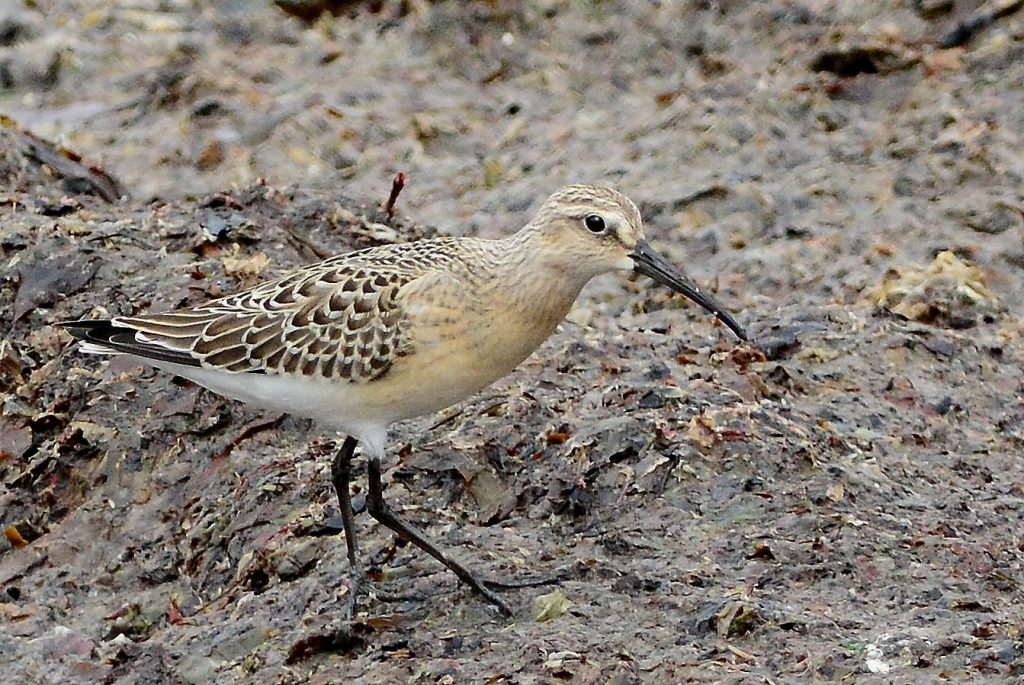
463,339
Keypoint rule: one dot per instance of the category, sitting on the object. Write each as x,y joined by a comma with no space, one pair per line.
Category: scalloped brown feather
339,319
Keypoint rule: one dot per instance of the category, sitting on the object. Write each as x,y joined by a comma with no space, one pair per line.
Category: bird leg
341,473
383,513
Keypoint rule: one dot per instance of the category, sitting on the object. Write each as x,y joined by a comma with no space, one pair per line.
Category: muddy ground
839,500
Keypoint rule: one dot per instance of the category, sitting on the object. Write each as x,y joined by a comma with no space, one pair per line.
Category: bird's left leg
383,513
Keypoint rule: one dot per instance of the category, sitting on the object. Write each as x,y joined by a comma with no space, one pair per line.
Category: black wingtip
106,333
89,329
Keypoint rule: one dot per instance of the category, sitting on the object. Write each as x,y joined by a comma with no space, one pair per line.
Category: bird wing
339,319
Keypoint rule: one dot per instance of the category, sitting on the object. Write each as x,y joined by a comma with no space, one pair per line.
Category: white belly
337,405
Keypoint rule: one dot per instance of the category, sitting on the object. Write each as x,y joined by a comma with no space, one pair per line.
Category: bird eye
594,223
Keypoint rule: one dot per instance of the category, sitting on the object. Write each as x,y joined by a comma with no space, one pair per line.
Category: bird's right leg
341,474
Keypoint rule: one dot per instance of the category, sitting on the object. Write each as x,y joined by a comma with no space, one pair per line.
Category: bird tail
108,336
91,334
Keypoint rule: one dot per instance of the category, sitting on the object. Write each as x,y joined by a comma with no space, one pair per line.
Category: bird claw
528,581
356,587
495,601
488,587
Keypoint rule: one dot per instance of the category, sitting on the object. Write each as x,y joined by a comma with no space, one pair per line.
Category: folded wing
341,319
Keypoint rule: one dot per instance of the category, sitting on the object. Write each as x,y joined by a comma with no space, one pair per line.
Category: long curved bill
649,263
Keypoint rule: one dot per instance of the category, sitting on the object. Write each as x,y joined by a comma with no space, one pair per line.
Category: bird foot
356,587
529,581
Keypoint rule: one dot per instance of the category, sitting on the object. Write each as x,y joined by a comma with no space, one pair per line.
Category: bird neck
541,284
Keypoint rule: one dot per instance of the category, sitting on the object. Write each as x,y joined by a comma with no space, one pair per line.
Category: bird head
591,229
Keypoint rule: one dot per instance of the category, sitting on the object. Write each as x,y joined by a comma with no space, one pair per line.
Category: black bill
650,263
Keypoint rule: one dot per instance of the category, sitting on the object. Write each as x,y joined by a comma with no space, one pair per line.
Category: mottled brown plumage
365,339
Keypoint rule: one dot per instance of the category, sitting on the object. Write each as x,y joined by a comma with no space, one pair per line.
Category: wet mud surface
838,500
